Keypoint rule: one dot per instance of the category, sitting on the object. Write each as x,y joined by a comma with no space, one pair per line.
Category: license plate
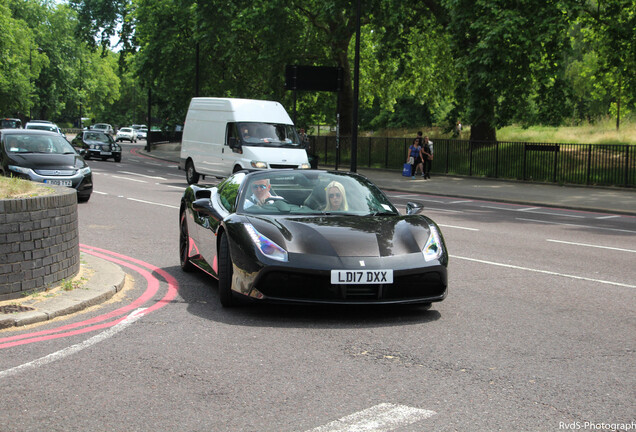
351,277
105,153
59,182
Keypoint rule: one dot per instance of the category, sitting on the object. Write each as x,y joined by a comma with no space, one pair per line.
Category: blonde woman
335,197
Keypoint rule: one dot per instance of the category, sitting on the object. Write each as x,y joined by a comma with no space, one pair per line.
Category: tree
498,47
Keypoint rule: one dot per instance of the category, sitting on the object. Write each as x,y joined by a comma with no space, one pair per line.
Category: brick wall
39,242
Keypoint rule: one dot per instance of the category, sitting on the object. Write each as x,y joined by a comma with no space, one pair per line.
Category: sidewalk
595,199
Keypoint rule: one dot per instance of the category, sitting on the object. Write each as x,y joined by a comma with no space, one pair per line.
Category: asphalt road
537,332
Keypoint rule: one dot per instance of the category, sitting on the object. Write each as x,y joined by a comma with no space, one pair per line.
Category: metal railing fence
584,164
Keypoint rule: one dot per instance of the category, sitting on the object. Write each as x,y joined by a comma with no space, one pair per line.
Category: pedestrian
413,155
427,153
458,129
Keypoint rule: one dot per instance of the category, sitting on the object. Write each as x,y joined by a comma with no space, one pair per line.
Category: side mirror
413,208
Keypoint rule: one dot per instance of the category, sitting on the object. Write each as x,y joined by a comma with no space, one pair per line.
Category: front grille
43,172
280,166
299,286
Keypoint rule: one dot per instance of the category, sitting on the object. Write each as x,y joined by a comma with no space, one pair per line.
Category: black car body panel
44,157
94,144
359,241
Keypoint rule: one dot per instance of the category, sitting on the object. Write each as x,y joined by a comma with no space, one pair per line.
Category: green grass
598,132
13,188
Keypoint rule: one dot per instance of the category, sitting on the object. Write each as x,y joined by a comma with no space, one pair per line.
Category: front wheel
225,274
192,176
184,244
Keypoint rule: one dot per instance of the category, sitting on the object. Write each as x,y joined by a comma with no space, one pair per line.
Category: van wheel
192,176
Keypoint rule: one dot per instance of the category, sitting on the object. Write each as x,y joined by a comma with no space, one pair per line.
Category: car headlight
20,169
265,245
433,249
259,164
305,166
85,171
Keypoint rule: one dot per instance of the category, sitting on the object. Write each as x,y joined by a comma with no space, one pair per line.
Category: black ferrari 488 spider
310,236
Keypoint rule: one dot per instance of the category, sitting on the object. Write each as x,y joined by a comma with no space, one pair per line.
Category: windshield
312,192
11,124
49,144
96,136
42,126
268,134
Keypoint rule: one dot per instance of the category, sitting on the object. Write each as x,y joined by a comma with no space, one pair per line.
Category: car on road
93,144
45,157
103,127
10,123
126,134
142,133
310,236
44,125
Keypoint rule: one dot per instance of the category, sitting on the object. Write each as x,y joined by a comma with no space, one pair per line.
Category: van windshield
268,135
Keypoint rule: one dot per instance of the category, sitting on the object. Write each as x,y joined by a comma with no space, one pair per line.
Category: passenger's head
336,197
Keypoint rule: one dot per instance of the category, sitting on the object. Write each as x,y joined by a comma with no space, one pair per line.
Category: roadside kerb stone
104,280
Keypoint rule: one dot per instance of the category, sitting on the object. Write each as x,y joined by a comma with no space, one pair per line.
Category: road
537,332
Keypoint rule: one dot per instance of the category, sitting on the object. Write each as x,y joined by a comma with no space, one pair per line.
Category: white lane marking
532,210
100,193
577,225
544,272
591,245
380,418
608,217
460,202
143,175
128,178
458,227
443,210
171,186
153,203
134,316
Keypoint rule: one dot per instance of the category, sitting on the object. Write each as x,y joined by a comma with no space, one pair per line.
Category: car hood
347,236
48,161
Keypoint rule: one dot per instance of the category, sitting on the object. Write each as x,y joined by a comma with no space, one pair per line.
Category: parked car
46,157
44,125
103,127
142,133
93,144
309,236
10,123
126,134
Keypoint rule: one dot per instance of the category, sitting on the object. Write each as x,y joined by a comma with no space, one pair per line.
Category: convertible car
310,236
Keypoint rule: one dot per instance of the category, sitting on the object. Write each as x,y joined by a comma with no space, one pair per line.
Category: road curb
104,280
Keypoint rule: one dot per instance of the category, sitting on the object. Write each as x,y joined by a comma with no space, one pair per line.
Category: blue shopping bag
406,170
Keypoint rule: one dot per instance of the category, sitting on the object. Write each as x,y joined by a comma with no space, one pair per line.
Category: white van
224,135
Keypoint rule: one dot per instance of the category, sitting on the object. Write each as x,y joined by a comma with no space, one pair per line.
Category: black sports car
97,145
310,236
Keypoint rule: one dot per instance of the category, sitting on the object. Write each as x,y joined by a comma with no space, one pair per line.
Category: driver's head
260,189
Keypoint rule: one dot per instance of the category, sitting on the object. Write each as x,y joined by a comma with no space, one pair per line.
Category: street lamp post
38,49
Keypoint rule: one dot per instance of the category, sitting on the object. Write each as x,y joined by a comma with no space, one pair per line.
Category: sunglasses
259,186
335,195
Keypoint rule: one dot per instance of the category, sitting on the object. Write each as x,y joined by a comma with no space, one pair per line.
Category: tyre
225,274
192,176
184,244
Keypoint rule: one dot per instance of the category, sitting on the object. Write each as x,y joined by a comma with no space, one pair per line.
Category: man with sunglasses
261,194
